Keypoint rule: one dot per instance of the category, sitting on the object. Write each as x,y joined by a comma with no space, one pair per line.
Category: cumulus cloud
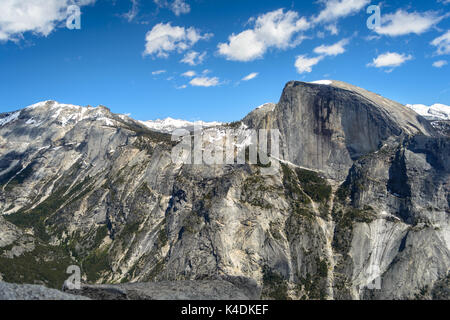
402,22
332,50
40,17
305,64
189,74
204,82
389,59
178,7
194,58
335,9
164,38
274,29
442,43
440,63
251,76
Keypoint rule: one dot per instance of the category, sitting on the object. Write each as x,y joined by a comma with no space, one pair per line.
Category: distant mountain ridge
167,125
434,112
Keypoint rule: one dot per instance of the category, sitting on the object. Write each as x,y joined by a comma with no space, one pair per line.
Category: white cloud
442,43
130,15
332,28
305,64
440,63
251,76
204,82
158,72
245,46
164,38
182,87
40,17
389,59
335,9
189,74
194,58
332,50
372,38
402,23
178,7
273,29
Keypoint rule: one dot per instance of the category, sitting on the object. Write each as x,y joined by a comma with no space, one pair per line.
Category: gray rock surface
165,290
362,195
9,291
327,127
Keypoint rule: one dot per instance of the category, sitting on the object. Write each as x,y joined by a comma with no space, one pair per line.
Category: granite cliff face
327,127
359,208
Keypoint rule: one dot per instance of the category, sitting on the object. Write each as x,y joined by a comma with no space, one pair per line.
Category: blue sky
187,58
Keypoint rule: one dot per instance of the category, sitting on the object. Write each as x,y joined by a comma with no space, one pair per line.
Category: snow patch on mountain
168,125
9,118
323,82
435,112
37,105
267,105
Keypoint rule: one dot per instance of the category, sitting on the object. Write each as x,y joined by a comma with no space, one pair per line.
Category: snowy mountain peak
68,114
51,104
435,112
53,111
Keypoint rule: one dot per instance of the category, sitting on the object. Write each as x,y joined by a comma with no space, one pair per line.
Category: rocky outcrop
442,126
171,290
400,210
9,291
358,208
